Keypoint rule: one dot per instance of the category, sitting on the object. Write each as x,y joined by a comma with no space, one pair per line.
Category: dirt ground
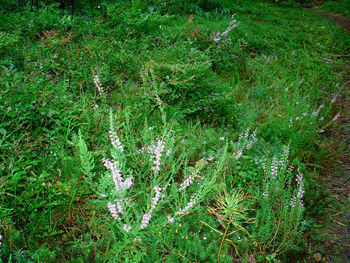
336,177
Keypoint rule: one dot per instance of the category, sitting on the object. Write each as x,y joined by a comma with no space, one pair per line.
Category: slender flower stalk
223,36
156,155
120,185
98,84
189,205
296,200
115,141
336,116
147,217
113,210
189,180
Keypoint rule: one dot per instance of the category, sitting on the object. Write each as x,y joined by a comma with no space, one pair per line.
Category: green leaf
3,131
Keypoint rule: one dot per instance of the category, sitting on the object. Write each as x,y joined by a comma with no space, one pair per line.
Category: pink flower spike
336,117
112,209
98,84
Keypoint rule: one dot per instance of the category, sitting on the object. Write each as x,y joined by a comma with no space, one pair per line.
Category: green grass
227,113
339,7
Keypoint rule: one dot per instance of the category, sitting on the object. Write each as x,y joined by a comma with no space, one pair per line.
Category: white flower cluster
156,154
297,199
155,151
276,167
246,141
115,141
120,184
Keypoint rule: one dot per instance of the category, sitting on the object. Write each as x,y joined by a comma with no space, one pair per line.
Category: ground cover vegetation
170,131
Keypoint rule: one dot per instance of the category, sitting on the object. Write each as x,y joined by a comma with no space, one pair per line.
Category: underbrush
339,7
139,134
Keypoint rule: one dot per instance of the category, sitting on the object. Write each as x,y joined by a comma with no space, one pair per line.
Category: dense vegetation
175,131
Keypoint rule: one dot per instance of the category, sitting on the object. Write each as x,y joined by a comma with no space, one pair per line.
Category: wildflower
246,132
119,207
189,180
168,152
297,199
155,199
189,205
119,183
274,169
315,113
222,138
113,210
253,139
266,194
126,228
238,154
170,219
115,141
137,239
98,84
156,155
147,217
145,220
336,117
217,38
223,36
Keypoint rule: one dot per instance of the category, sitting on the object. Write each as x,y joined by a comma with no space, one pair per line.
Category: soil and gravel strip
337,175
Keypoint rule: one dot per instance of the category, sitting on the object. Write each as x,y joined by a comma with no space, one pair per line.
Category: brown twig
222,241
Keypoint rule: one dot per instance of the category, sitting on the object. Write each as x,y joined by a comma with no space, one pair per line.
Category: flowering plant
154,185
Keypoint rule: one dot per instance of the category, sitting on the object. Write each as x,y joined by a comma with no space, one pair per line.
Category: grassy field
134,132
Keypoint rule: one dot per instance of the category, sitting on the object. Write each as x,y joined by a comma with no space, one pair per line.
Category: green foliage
279,216
166,79
87,161
340,7
185,84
